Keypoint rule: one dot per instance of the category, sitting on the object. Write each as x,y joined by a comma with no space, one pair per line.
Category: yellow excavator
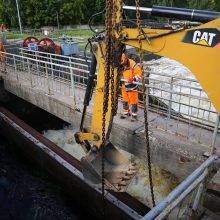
195,44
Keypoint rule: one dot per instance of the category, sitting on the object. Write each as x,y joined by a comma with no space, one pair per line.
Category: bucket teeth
125,177
130,172
132,167
122,183
119,170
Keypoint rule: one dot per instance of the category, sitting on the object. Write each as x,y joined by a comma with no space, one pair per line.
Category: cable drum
29,40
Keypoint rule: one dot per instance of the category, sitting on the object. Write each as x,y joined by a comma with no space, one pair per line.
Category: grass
11,35
79,33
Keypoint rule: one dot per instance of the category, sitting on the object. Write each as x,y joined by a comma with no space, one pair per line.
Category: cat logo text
208,37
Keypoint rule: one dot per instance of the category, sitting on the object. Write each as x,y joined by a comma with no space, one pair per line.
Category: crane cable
144,102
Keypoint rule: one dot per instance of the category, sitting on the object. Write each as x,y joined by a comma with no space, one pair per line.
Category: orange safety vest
132,70
2,28
2,53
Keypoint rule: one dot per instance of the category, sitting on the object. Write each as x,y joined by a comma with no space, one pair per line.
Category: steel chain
108,24
118,77
113,44
144,102
109,80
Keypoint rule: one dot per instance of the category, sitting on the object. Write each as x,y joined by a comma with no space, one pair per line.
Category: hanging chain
118,77
107,54
116,47
109,77
113,44
144,102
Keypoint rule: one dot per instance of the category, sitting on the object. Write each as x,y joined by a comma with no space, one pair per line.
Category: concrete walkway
176,146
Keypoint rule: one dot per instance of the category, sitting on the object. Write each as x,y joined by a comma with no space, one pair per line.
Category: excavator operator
131,72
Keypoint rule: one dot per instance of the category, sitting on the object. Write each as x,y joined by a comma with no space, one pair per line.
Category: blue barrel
33,46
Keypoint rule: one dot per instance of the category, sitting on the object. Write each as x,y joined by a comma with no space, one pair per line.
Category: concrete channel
66,170
171,152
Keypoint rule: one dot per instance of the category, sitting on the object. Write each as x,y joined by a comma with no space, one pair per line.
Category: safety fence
185,200
177,105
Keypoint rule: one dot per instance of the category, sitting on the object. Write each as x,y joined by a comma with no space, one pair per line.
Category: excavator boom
197,48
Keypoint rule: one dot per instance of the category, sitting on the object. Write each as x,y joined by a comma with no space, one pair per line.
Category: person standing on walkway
2,57
132,73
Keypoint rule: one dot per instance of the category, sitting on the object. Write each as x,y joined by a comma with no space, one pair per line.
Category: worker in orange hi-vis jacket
131,73
2,28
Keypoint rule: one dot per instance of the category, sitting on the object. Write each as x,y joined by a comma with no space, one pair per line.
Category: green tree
72,12
8,13
37,13
202,4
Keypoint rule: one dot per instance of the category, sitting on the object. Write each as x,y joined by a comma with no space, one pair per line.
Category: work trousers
130,101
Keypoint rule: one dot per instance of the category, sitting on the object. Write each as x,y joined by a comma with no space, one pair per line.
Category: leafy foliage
37,13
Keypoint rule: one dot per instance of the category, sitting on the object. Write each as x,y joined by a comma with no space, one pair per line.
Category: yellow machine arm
197,48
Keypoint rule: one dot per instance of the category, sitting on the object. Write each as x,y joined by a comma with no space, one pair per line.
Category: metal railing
189,192
186,199
177,105
67,76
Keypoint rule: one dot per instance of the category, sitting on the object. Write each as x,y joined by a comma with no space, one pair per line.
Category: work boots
125,115
128,114
133,118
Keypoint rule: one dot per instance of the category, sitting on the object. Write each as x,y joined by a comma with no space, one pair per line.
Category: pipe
90,82
198,197
180,199
176,192
184,14
89,89
188,23
178,13
133,8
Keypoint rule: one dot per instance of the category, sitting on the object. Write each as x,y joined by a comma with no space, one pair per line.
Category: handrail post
198,196
29,72
72,83
147,90
36,56
4,64
22,59
52,74
15,66
48,81
213,148
171,96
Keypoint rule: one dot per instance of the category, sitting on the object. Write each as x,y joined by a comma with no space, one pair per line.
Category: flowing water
139,187
29,194
164,182
171,68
